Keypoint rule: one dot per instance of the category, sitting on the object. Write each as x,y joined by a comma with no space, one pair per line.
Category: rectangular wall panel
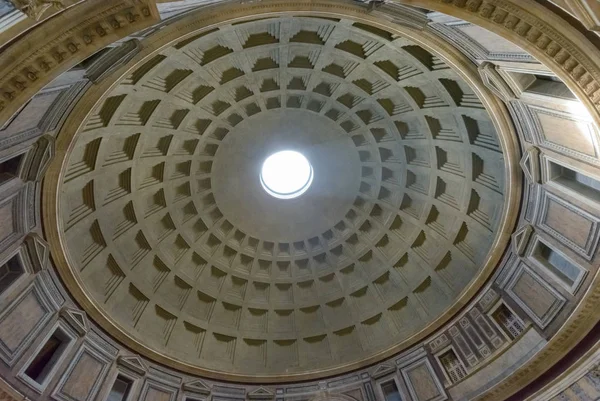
576,228
11,209
563,133
21,322
83,377
154,391
566,272
422,382
537,298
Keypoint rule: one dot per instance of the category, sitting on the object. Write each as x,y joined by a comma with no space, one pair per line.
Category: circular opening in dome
286,174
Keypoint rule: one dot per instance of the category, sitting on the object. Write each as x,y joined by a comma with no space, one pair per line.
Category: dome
308,200
167,226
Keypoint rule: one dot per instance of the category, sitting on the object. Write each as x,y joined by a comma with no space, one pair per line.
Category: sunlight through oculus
286,174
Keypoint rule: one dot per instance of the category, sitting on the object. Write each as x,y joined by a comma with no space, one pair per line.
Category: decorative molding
504,275
69,342
57,44
540,138
544,319
134,363
112,60
439,342
383,370
36,8
471,47
402,14
77,319
17,202
488,300
261,393
152,390
38,251
197,386
39,158
574,283
495,82
522,119
46,280
87,356
11,350
587,11
586,250
520,239
429,383
530,164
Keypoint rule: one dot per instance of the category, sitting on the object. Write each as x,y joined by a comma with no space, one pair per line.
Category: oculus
286,174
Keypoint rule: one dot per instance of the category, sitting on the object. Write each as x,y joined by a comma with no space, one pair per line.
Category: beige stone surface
19,322
82,378
576,135
568,223
538,298
7,224
423,383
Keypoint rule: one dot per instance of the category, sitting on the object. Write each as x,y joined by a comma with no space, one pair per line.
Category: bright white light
286,174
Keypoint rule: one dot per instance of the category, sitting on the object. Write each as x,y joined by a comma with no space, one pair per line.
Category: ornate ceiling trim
60,43
540,32
208,18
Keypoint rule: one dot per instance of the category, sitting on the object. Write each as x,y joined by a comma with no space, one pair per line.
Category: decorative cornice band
58,44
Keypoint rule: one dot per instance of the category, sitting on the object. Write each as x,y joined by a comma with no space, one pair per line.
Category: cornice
540,32
60,43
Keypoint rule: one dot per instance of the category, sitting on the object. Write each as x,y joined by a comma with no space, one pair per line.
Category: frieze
542,38
36,8
39,57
